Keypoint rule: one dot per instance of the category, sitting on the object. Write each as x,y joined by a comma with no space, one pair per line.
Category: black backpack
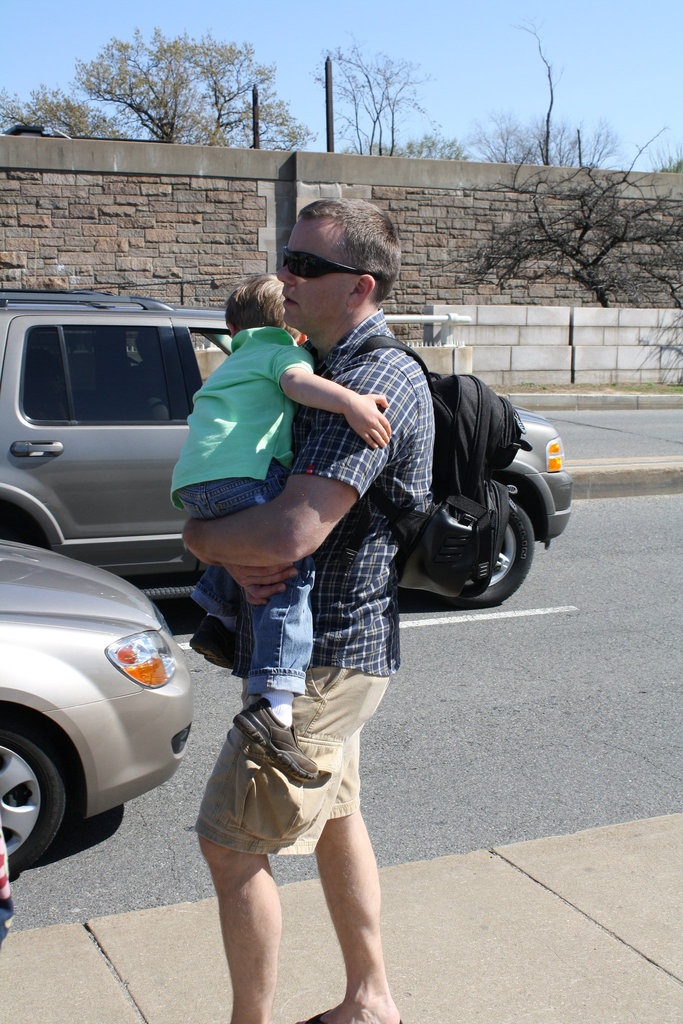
458,539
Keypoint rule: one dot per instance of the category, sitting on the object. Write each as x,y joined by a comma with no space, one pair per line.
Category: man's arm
277,533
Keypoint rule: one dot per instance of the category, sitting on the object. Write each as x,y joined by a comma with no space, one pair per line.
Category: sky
612,62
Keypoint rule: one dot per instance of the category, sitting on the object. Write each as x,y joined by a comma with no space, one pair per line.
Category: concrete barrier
552,345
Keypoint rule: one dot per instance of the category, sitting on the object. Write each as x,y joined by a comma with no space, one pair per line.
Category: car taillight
554,455
144,657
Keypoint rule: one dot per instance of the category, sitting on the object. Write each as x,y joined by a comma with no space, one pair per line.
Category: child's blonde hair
257,302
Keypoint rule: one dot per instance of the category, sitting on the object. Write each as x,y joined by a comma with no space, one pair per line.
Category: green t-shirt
241,418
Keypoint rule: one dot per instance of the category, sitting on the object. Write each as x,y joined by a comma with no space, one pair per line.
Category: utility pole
256,131
328,106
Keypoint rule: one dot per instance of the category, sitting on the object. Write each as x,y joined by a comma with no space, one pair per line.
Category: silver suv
94,396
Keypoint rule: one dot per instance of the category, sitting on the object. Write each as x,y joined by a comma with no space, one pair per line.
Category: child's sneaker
278,742
215,642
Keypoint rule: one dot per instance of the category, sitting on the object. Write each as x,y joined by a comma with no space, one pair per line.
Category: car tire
32,793
512,568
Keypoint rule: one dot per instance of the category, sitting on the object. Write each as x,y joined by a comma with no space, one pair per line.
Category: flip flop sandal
318,1019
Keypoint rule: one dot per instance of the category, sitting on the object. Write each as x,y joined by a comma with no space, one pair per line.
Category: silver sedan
95,696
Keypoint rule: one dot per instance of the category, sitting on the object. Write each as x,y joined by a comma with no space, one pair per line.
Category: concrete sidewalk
579,929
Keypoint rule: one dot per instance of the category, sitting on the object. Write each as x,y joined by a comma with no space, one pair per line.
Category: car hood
528,416
36,582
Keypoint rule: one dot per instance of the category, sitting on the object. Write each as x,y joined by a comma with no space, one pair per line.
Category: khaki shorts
252,807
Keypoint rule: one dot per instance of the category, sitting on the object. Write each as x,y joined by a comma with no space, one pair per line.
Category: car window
45,392
95,374
204,337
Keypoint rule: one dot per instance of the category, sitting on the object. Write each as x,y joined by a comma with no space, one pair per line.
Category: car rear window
101,374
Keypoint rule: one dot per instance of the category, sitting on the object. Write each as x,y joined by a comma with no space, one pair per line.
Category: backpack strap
481,433
387,507
376,341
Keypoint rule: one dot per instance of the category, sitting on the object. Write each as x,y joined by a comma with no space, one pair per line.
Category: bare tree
545,133
503,141
613,233
543,140
372,97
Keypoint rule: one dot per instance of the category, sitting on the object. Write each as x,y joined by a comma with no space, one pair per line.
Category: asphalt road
559,711
616,433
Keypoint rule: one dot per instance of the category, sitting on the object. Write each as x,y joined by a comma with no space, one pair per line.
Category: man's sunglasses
306,264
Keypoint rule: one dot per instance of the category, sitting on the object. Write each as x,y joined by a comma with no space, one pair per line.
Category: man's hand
261,582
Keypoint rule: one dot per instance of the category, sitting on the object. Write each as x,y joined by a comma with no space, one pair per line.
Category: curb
613,478
626,478
597,400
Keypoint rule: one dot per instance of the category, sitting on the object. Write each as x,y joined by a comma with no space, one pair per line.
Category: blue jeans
283,628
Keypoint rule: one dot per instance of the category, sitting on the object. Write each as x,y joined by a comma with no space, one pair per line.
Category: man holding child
342,259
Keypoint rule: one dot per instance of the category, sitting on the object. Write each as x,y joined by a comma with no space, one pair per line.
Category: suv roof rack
77,297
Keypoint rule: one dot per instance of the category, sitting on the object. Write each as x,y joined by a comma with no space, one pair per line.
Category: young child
237,454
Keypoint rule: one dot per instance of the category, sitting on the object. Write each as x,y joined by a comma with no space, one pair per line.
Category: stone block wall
513,345
183,222
172,238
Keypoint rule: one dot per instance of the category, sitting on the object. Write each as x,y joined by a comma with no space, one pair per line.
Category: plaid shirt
355,610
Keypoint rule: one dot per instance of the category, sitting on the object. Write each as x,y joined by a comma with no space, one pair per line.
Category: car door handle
29,449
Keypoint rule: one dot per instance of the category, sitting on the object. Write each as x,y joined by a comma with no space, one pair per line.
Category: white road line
449,620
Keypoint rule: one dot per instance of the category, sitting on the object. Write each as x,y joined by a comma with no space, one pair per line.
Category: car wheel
512,567
32,794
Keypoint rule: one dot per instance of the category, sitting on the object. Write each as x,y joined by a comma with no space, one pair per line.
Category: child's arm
361,411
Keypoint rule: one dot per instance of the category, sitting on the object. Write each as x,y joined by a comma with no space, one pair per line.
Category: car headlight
143,657
554,455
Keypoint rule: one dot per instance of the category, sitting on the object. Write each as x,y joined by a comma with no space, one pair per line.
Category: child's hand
364,417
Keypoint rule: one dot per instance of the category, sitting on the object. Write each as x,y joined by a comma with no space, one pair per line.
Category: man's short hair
257,302
368,239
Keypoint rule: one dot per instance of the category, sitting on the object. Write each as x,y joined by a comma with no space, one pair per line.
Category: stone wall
183,222
182,237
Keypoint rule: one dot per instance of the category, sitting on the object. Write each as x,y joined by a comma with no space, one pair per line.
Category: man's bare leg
251,923
350,880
